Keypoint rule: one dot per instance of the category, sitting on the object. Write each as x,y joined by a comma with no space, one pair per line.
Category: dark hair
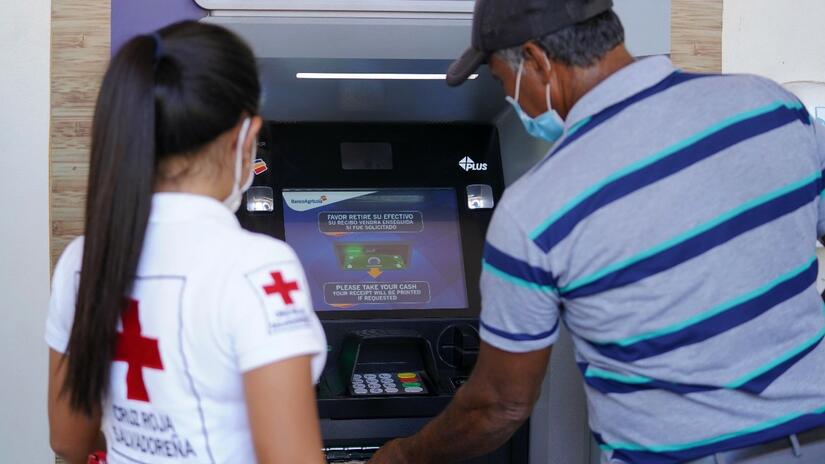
582,44
164,94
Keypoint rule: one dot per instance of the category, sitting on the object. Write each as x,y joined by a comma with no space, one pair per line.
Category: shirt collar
187,207
619,86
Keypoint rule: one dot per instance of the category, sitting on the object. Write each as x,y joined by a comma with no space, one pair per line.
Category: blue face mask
547,126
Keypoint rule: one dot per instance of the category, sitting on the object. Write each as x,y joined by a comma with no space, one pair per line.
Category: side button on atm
260,200
480,196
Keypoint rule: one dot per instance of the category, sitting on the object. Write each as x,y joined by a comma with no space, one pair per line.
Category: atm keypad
388,384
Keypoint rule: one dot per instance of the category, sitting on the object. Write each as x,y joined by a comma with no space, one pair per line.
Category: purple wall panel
134,17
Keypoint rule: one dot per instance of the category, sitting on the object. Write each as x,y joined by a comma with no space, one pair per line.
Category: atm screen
379,249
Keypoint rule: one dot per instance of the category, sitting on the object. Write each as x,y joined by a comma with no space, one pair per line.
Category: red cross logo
282,288
137,351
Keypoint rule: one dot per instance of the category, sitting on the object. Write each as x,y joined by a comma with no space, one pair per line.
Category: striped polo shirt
672,229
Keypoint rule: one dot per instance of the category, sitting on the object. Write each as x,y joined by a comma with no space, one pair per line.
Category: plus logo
281,287
137,351
469,165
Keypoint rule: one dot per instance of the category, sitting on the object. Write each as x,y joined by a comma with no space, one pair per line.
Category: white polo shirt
210,302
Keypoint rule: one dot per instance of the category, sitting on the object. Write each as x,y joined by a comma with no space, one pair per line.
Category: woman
181,336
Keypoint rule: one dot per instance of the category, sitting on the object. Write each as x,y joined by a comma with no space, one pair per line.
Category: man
672,228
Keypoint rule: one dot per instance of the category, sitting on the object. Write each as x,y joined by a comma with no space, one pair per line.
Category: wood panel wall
80,51
696,35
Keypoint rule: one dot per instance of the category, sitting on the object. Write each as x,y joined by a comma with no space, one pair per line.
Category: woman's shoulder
71,258
259,248
236,253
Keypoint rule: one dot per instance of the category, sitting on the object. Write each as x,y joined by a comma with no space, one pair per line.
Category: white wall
24,229
780,39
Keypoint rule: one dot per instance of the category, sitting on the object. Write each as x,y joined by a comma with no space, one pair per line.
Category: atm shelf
349,454
382,407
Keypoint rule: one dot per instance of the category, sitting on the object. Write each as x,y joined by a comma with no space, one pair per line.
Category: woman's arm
280,400
72,434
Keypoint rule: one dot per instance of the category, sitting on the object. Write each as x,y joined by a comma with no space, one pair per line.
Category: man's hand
390,453
486,411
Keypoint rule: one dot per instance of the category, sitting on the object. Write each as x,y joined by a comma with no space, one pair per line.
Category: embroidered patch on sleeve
280,288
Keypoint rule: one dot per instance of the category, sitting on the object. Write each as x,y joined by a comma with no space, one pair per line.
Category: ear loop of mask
518,78
518,82
233,201
547,91
239,151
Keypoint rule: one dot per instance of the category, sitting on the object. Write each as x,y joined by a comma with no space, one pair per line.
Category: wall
24,235
80,51
770,38
696,35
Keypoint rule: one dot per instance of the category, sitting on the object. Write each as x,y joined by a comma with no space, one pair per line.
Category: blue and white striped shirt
672,229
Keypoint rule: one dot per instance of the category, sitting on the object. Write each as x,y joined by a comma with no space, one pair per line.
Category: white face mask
233,201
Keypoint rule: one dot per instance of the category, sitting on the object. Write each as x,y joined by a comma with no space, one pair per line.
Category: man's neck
585,79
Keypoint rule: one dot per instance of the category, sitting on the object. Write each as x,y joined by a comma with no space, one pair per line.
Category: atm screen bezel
443,147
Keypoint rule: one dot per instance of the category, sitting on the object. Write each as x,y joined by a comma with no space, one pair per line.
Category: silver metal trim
220,7
337,14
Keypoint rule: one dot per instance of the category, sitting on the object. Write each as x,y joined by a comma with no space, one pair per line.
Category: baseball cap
500,24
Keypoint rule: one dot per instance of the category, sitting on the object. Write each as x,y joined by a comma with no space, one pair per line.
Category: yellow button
407,375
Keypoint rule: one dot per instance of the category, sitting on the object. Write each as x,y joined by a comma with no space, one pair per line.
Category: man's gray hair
580,45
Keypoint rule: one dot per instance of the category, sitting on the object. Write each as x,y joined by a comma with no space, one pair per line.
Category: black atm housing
441,343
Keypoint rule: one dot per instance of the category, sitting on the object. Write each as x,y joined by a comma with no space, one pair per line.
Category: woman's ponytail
121,178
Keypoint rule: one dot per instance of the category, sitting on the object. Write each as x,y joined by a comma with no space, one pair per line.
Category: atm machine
384,180
389,227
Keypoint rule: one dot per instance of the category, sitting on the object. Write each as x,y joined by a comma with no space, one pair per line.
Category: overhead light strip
377,76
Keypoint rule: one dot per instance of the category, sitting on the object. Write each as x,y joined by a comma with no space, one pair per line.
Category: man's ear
536,60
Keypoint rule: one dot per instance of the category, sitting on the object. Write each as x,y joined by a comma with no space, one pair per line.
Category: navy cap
501,24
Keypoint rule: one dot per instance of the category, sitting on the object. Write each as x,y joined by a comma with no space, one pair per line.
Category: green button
411,384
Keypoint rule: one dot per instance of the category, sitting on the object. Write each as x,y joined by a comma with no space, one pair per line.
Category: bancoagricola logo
469,165
308,201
